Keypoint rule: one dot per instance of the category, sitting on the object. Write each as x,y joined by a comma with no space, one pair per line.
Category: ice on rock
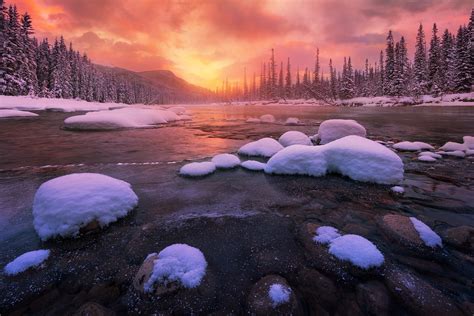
430,238
430,154
26,261
265,147
331,130
397,189
279,294
178,263
357,157
253,165
426,158
294,138
62,206
197,169
412,146
226,161
357,250
121,118
453,146
468,141
267,118
292,121
16,113
325,234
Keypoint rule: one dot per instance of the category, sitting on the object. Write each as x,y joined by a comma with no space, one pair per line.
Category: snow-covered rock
430,154
294,138
468,141
267,118
253,165
177,263
279,294
426,158
62,206
331,130
453,146
430,238
325,234
120,118
359,158
356,249
16,113
197,169
292,121
265,147
397,189
455,153
412,146
226,161
26,261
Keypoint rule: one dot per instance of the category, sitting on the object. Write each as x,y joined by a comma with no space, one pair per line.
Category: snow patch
294,138
197,169
412,146
226,161
358,250
267,118
430,154
26,261
331,130
453,146
265,147
292,121
456,153
325,234
397,189
430,238
252,120
279,294
426,158
16,113
468,141
253,165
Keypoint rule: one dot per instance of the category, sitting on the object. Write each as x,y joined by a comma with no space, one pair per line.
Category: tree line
445,66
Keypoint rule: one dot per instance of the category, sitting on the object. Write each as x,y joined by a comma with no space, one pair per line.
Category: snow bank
430,154
265,147
292,121
226,161
178,262
331,130
121,118
468,141
253,120
178,110
16,113
65,204
294,138
197,169
325,234
279,294
430,238
359,158
426,158
267,118
456,153
412,146
253,165
453,146
397,189
356,249
25,261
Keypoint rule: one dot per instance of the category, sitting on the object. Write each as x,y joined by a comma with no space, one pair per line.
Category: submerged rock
460,237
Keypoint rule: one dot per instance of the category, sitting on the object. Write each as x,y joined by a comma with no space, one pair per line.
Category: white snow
426,158
357,157
265,147
197,169
226,161
358,250
331,130
430,238
294,138
292,121
397,189
121,118
430,154
253,120
180,110
25,261
65,204
453,146
253,165
325,234
178,262
16,113
468,141
267,118
412,146
455,153
279,294
469,152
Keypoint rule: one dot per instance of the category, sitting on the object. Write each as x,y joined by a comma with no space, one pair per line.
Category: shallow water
33,151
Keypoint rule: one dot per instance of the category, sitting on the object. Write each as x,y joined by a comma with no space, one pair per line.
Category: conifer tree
288,84
420,74
434,63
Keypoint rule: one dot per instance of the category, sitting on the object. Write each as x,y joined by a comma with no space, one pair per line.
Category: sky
206,41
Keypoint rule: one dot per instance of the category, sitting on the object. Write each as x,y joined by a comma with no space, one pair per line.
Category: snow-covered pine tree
316,71
448,62
288,84
381,77
298,84
281,86
434,64
332,80
463,61
400,78
389,65
42,68
272,76
470,28
420,70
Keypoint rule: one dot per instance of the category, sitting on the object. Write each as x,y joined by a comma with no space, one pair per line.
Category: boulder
374,298
460,237
93,309
144,274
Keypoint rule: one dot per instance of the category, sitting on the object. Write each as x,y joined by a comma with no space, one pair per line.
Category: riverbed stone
144,274
104,293
260,303
317,288
93,309
460,237
417,295
373,298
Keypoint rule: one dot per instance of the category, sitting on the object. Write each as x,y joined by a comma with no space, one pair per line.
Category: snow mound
397,189
412,146
121,118
468,141
325,234
253,120
265,147
279,294
65,204
430,238
430,154
469,152
178,262
292,121
453,146
359,158
331,130
456,153
267,118
253,165
25,261
16,113
426,158
197,169
358,250
226,161
294,138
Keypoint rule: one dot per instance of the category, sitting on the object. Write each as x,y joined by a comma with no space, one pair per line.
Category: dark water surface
230,215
